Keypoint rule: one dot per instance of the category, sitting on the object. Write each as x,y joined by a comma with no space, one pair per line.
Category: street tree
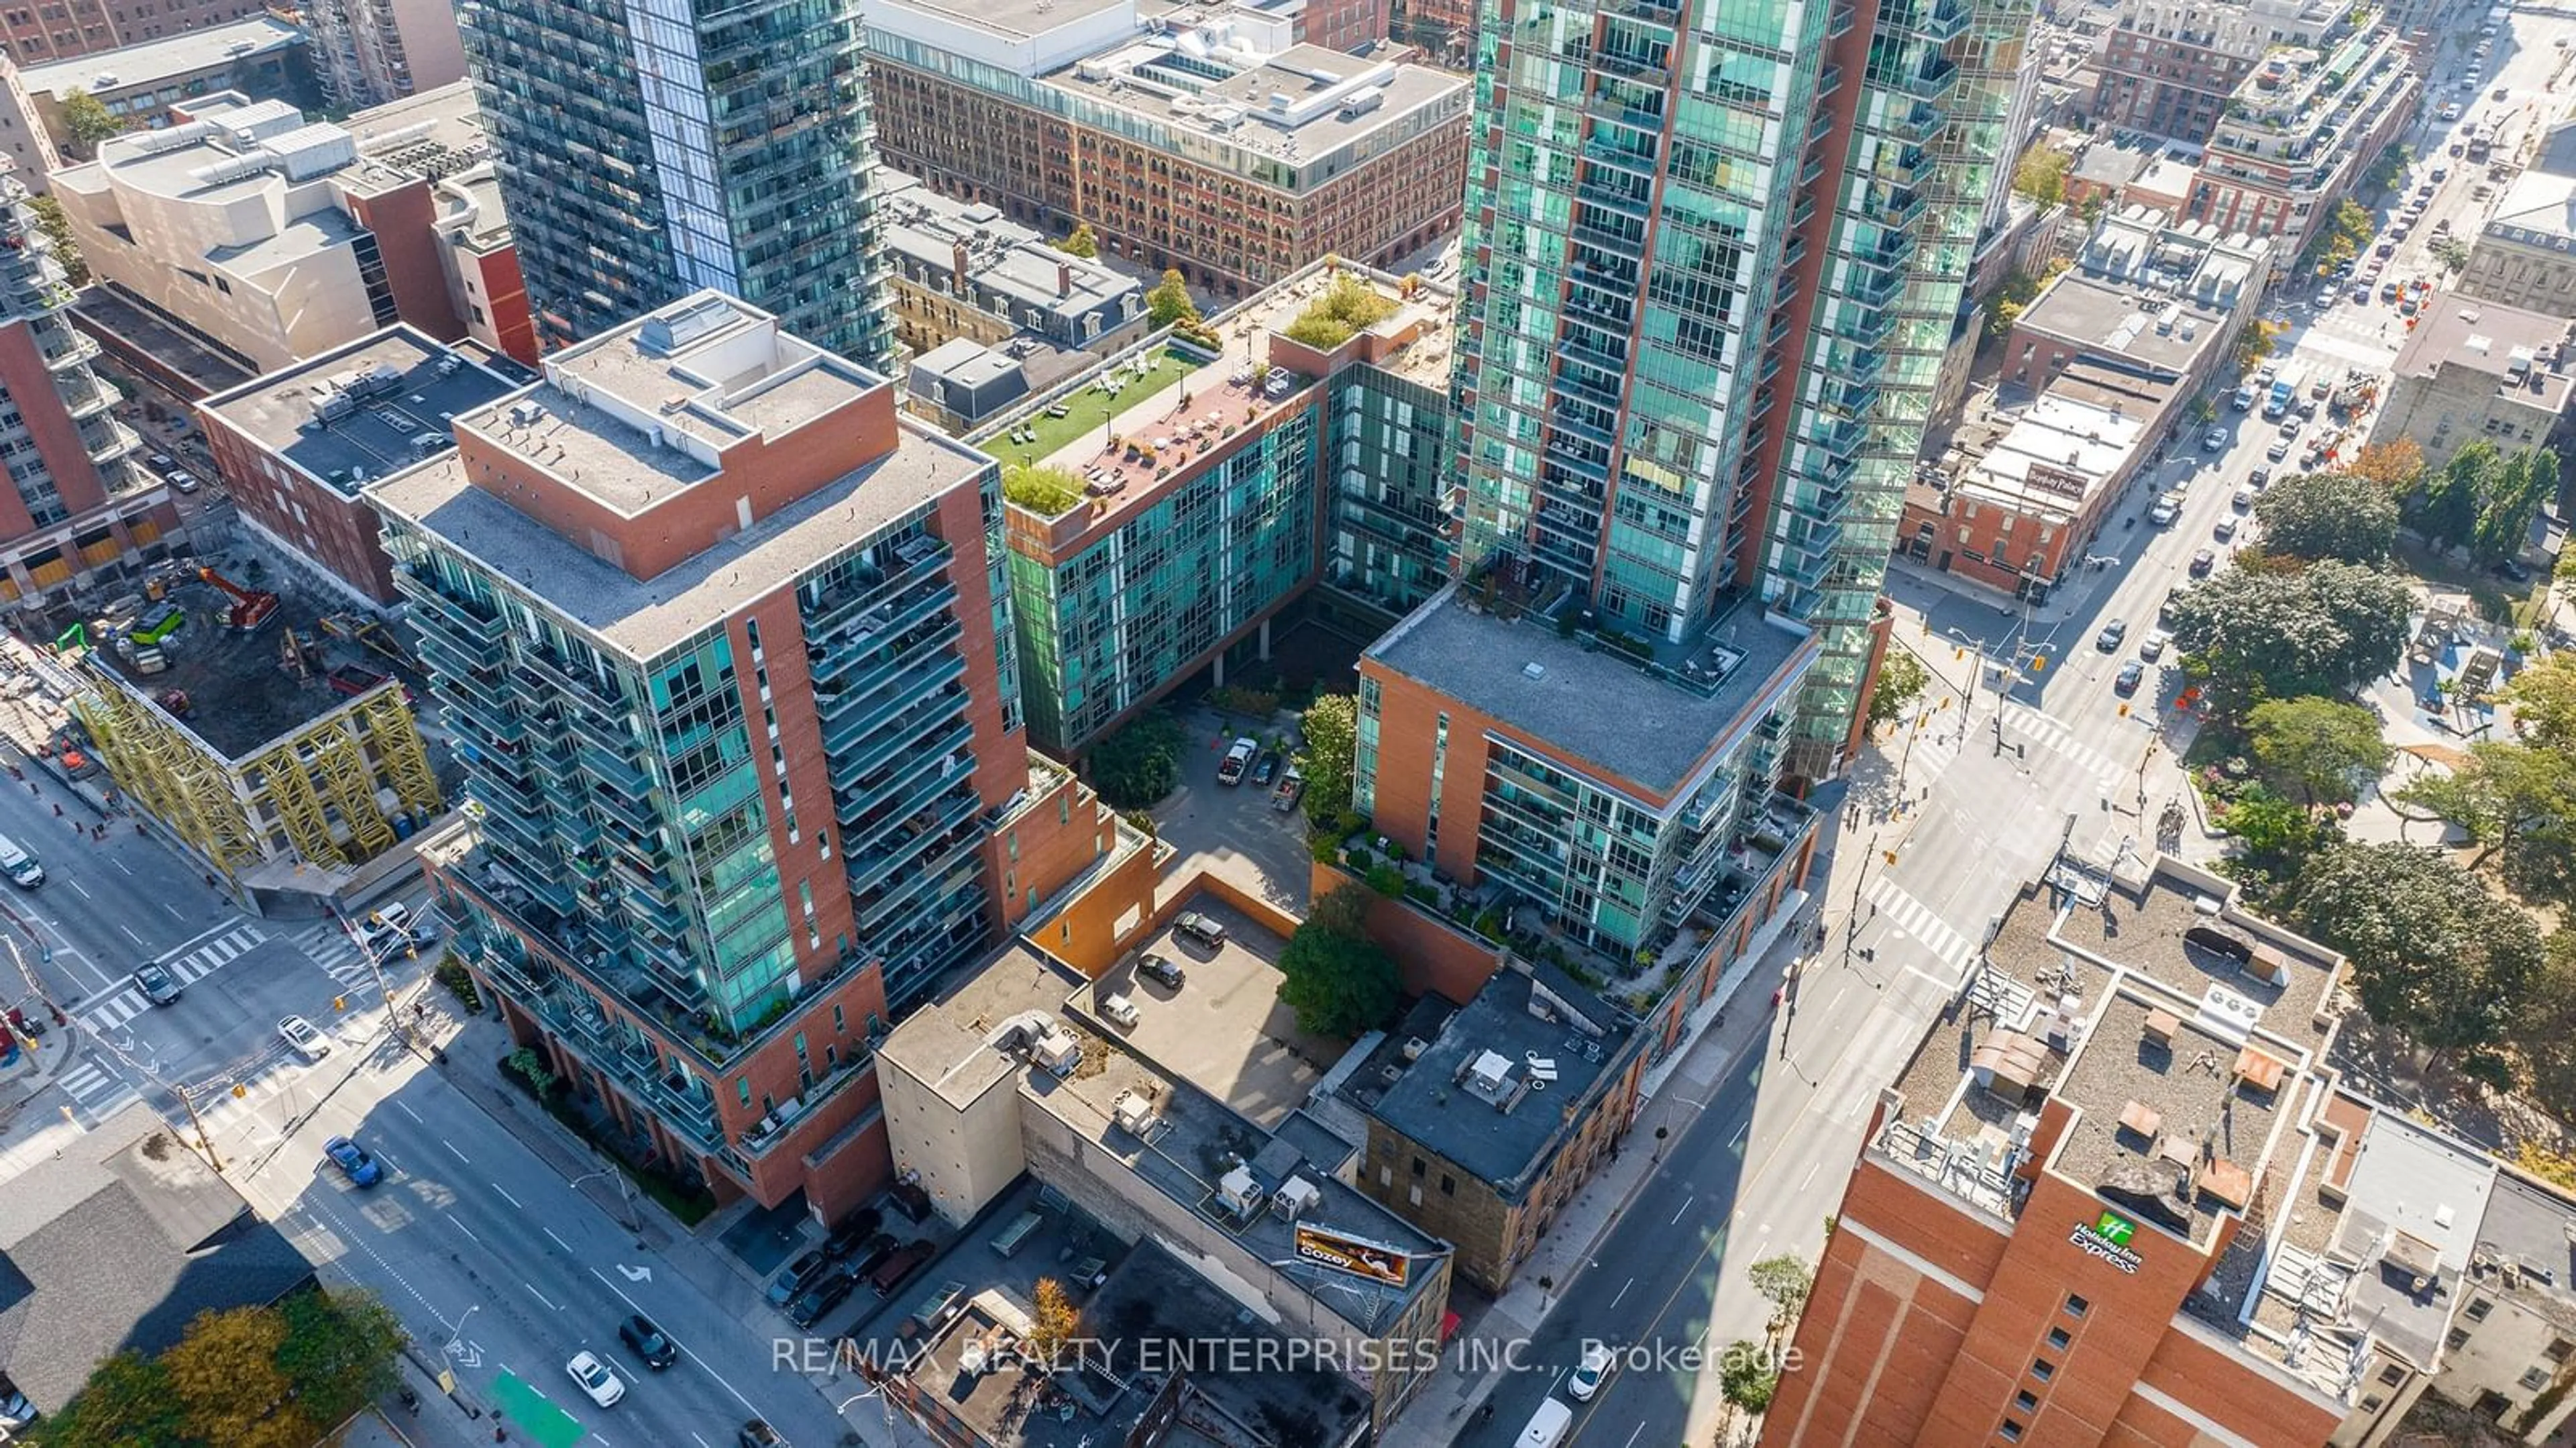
2543,697
2255,341
2328,748
1080,241
339,1351
2279,630
2274,832
2041,174
2397,465
2514,799
1169,302
231,1390
1331,727
86,122
1784,1281
2433,952
127,1400
1747,1378
1900,682
1338,981
2544,1034
2316,516
2485,499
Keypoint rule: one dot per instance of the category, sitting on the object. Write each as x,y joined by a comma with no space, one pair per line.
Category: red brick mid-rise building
2116,1200
1280,149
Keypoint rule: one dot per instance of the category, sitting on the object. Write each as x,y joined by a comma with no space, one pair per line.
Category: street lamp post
625,1197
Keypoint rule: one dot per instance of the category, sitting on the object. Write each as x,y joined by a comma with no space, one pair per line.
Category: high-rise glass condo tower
648,148
1714,250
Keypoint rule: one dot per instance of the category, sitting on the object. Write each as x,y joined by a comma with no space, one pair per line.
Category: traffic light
1890,856
339,1003
2038,663
240,1091
2124,711
1958,654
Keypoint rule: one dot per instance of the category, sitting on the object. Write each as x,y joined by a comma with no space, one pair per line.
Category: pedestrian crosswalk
201,960
95,1088
327,943
2054,737
1916,919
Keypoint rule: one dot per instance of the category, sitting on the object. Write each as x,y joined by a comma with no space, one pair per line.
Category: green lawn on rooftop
1088,411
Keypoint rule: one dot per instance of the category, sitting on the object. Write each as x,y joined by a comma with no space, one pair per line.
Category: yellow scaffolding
164,767
386,724
283,779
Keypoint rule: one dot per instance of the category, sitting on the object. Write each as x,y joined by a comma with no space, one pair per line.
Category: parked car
353,1161
2202,561
185,482
1266,768
2108,640
2226,528
798,1275
2162,513
2152,647
1200,929
2214,440
899,1265
821,1296
2512,568
595,1380
2261,478
854,1233
302,1039
2242,499
1120,1010
2279,449
1238,758
648,1342
757,1434
157,985
2130,675
1162,970
2165,610
2289,427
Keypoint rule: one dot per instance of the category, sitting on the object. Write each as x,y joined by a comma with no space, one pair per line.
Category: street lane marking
551,1237
1740,1133
720,1378
76,887
407,1111
120,864
1810,1178
513,1201
173,909
1677,1213
452,1151
1623,1291
1632,1435
468,1231
129,932
541,1297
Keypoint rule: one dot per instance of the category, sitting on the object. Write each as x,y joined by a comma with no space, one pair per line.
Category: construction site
265,724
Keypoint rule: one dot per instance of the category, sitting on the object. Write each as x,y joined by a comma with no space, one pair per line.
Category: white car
2153,647
597,1382
302,1039
1586,1380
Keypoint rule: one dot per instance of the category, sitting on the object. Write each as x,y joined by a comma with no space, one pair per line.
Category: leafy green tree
1900,683
1169,302
2397,465
1339,981
2012,298
2317,516
86,122
2485,500
1140,763
2511,798
2544,1034
2280,630
2277,833
230,1386
2327,748
1331,728
126,1401
2041,174
1784,1281
1080,241
1747,1379
339,1351
2256,341
2543,697
58,227
2451,252
2433,952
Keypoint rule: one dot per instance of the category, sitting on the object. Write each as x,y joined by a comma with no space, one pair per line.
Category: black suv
1161,970
852,1235
824,1295
646,1341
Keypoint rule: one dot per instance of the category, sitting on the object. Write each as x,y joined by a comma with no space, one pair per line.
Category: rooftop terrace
1473,1093
147,65
1650,721
366,410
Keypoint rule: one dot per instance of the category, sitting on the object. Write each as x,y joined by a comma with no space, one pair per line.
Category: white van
18,865
1547,1426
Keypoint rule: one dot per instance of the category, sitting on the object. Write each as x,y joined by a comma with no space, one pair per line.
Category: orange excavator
251,606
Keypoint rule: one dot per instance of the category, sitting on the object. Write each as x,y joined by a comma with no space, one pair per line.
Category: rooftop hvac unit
1133,1113
1239,1192
1295,1197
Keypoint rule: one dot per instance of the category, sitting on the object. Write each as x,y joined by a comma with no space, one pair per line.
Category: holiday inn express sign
2107,1237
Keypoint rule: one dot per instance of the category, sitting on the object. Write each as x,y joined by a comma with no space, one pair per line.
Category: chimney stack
957,266
1063,280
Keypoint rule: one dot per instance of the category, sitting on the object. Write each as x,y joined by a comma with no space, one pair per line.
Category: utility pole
205,1142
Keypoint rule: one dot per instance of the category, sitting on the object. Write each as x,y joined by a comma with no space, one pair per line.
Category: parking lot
1224,1030
1232,831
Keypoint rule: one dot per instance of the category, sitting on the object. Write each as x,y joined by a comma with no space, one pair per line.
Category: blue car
361,1169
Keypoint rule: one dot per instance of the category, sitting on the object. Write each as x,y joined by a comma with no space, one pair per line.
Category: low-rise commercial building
1218,143
260,56
2472,370
2114,348
68,29
963,269
2525,254
2299,133
298,447
273,239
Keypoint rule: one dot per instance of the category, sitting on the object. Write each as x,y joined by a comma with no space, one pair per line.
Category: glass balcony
1931,80
470,618
1943,21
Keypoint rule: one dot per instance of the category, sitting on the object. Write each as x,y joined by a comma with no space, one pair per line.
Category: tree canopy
1331,727
2397,465
1747,1379
1900,683
58,228
2281,631
2318,516
1169,302
1338,981
86,122
2484,499
249,1377
2433,952
1784,1281
2543,696
2041,174
1080,241
2514,799
1140,763
2327,748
